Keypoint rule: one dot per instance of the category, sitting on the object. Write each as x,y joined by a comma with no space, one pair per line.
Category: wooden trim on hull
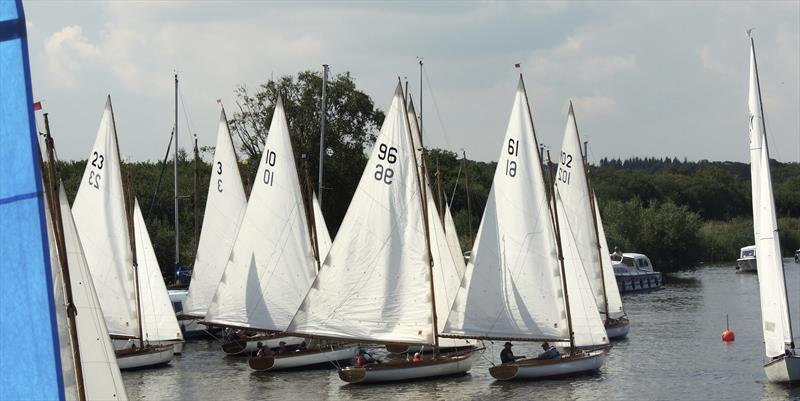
147,357
396,371
783,370
426,349
547,368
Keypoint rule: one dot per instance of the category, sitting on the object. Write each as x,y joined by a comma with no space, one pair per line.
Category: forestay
102,378
272,263
375,282
615,309
772,285
512,285
452,239
576,210
225,207
158,318
323,236
99,212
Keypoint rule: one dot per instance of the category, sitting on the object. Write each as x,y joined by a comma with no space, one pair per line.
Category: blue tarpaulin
30,368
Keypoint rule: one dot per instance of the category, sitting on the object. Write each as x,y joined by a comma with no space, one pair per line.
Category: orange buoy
727,335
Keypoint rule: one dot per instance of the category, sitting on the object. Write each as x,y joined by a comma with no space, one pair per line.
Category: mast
561,259
424,200
310,217
322,131
52,193
196,194
594,221
420,104
466,189
177,220
440,204
766,148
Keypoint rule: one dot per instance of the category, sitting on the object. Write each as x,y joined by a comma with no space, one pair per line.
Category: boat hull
407,371
784,370
527,369
144,358
302,359
746,265
413,348
639,282
122,344
618,329
244,347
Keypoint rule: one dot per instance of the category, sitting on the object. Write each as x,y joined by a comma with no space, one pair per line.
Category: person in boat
550,352
263,351
617,255
417,358
507,355
301,347
364,358
282,347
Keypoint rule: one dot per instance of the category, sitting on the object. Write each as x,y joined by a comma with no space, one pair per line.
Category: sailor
263,351
506,355
417,357
617,255
550,352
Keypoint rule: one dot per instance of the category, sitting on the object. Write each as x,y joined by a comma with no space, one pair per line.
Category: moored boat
307,358
146,357
586,361
634,272
401,370
747,260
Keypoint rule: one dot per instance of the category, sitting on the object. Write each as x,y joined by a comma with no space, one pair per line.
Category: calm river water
673,351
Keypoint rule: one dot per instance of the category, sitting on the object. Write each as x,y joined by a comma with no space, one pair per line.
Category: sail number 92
388,154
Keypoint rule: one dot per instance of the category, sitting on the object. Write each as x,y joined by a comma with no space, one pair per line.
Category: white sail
452,239
574,200
375,282
615,309
99,212
272,263
323,236
512,285
158,318
225,206
772,284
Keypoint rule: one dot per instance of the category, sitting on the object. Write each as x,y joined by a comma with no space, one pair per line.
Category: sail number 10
269,159
389,154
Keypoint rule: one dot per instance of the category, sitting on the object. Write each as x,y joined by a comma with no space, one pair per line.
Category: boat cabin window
642,263
628,262
748,252
177,306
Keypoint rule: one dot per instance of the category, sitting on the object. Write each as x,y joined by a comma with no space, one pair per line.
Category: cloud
594,105
67,52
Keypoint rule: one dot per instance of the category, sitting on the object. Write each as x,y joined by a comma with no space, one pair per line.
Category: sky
648,79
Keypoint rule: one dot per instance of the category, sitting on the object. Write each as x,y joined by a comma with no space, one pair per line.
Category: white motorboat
776,323
747,260
149,356
634,272
401,370
587,361
323,356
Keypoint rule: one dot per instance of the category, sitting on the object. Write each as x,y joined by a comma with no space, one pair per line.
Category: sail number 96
269,160
389,154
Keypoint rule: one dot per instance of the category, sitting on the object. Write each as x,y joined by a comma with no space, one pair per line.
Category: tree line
679,213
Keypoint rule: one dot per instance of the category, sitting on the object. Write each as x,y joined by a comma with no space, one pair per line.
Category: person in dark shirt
550,352
506,355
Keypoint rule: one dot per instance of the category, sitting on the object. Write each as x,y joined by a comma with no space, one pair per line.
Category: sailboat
580,218
88,363
105,223
783,362
519,285
225,207
274,260
377,284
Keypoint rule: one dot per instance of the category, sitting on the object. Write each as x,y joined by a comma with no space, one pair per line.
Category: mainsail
375,282
158,318
99,212
772,285
102,378
512,285
225,206
272,262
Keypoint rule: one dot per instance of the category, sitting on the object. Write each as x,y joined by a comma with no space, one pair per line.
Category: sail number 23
389,154
94,177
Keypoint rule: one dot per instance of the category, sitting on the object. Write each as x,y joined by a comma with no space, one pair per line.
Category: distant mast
177,228
322,131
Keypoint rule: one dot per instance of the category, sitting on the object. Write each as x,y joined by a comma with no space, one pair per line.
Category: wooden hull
410,349
244,347
406,371
146,357
746,265
303,359
639,282
784,370
618,329
539,369
120,344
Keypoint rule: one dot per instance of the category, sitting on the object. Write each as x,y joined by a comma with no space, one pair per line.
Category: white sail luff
102,378
512,285
375,282
158,318
272,262
99,212
772,284
615,308
453,241
323,236
225,207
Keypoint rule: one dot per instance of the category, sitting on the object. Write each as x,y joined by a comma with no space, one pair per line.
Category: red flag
516,65
37,106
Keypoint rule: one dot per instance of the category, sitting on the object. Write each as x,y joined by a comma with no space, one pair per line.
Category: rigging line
185,114
458,175
436,108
